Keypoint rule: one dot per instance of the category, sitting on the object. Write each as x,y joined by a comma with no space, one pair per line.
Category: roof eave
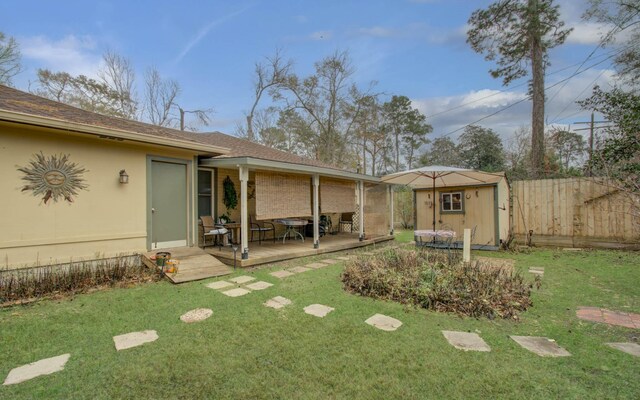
53,123
259,163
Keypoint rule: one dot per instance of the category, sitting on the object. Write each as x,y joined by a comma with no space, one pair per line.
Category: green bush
436,281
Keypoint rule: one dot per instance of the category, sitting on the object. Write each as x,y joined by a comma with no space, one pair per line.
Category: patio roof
274,165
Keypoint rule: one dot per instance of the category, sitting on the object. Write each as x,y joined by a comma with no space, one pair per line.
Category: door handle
153,210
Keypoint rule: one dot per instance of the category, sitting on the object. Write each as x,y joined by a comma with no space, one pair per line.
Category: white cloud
73,54
587,33
321,35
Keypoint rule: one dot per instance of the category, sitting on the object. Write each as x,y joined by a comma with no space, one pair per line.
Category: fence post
466,247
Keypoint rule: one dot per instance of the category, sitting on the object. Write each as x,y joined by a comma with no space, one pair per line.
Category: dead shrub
33,283
435,281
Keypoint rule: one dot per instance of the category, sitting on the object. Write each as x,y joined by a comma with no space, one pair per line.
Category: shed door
168,205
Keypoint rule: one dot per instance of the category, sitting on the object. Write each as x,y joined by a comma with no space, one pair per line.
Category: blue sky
410,47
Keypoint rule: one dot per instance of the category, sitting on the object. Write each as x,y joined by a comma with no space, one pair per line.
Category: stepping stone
367,253
629,348
197,315
542,346
537,271
317,265
281,274
299,270
383,322
134,339
572,249
343,258
466,341
318,310
237,292
277,302
242,279
219,285
595,314
46,366
329,261
260,285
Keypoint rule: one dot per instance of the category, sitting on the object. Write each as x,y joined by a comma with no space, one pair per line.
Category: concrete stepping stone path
318,310
384,322
466,341
260,285
278,302
329,261
45,366
596,314
628,347
219,285
237,292
299,270
343,258
281,274
536,271
316,265
541,346
242,279
197,315
134,339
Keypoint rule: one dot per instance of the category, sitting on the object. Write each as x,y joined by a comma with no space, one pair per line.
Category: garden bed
441,282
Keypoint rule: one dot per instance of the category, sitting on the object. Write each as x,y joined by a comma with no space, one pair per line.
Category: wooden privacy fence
575,212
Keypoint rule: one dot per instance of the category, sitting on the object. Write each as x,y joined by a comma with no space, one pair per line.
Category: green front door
168,205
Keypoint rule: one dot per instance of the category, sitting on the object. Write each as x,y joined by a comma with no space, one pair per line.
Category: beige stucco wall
107,219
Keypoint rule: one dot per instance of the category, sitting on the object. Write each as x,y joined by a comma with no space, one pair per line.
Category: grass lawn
246,350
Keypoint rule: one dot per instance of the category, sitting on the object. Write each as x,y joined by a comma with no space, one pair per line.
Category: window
205,192
451,202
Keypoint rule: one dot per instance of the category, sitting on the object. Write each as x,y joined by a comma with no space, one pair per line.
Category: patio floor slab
278,302
596,314
45,366
260,285
134,339
318,310
237,292
466,341
384,322
627,347
281,274
197,315
242,279
541,346
299,270
219,285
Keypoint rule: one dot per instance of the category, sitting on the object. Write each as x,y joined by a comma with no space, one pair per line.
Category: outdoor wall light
124,177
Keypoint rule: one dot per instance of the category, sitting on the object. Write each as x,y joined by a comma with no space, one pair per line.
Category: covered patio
274,192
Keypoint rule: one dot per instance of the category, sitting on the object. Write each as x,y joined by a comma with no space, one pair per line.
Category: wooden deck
195,264
269,252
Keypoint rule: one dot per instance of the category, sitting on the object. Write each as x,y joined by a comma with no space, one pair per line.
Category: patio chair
346,219
210,229
262,227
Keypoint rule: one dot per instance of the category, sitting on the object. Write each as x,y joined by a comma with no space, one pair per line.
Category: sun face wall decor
54,178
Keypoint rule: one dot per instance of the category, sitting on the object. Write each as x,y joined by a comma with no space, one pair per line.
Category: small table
234,227
448,236
291,225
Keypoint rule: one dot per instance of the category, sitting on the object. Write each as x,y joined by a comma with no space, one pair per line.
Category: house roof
16,103
21,107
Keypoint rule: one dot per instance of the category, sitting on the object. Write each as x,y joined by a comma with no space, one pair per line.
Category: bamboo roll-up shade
337,196
376,210
280,195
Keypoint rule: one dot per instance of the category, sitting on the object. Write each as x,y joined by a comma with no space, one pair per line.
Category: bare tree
118,73
270,76
10,64
159,98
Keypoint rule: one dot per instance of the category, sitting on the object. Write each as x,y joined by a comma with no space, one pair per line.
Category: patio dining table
446,235
292,225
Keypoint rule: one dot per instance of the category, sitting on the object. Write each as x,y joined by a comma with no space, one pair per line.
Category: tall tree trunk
397,152
537,93
250,135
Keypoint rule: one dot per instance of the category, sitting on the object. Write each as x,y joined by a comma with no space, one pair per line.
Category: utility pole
592,127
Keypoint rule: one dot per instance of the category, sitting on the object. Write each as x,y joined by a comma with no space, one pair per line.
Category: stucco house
80,185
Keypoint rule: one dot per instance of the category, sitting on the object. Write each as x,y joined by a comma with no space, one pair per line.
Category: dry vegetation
436,281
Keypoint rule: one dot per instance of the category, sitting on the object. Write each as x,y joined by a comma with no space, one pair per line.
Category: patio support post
361,214
244,215
316,212
391,210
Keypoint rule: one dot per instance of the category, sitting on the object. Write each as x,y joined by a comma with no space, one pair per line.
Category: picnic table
292,225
